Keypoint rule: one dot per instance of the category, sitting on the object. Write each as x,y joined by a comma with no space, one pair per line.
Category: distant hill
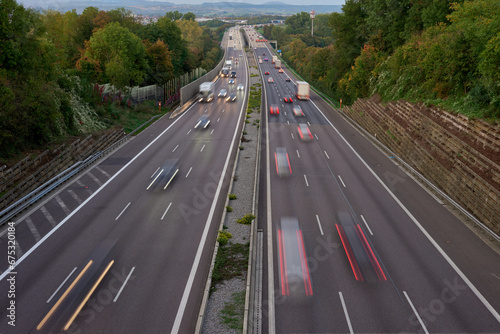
205,9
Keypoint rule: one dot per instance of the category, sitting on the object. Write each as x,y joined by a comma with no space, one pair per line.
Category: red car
274,110
288,99
266,73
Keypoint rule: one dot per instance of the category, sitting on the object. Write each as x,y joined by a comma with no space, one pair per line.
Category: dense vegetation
50,62
437,51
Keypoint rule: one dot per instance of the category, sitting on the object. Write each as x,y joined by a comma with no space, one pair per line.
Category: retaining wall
30,173
458,155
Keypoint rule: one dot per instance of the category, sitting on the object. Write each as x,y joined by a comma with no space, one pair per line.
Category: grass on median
231,261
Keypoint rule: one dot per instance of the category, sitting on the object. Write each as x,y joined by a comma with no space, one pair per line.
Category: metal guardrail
11,211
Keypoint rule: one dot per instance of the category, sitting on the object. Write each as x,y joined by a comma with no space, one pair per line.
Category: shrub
224,237
229,208
247,219
232,196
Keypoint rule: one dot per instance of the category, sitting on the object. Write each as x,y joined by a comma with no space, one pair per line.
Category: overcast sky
53,3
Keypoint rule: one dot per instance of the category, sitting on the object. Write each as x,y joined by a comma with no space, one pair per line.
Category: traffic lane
125,192
312,204
155,291
362,193
478,266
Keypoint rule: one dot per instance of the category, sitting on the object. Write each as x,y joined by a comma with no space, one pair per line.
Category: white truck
229,63
207,91
277,63
302,90
274,58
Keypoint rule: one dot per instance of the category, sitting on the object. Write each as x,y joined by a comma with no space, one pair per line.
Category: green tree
117,55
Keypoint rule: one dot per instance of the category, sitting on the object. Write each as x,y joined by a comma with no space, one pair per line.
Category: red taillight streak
284,277
350,257
371,254
289,166
300,132
303,262
276,160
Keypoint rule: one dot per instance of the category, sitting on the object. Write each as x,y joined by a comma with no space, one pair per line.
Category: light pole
313,13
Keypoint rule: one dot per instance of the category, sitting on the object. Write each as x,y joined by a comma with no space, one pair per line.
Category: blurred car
288,79
166,173
282,162
265,59
297,110
231,97
203,122
263,54
266,73
274,109
240,87
288,98
304,132
223,93
231,81
281,70
271,80
260,61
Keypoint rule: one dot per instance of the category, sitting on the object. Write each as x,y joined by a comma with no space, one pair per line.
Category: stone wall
458,155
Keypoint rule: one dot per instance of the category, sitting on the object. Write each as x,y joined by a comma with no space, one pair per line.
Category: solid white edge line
416,313
189,171
62,284
346,313
366,224
166,211
201,245
422,229
123,285
125,208
319,224
342,181
52,231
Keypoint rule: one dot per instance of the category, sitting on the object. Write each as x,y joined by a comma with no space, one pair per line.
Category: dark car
166,173
203,122
231,97
288,79
288,98
282,162
266,73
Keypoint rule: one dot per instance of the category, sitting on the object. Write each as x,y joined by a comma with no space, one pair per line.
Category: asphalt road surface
353,243
129,243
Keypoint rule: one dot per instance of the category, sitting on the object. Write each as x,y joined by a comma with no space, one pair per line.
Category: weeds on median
233,312
231,261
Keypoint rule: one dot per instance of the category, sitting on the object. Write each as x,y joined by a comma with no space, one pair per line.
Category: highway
123,244
353,243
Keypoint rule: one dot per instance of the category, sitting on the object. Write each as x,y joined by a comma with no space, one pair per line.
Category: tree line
436,51
50,62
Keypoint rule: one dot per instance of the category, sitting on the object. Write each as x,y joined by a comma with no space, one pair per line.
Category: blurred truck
277,63
207,91
302,90
274,58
